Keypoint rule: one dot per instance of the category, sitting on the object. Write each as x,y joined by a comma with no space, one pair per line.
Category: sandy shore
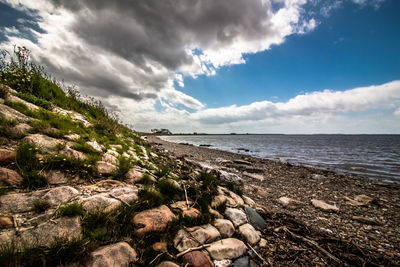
363,231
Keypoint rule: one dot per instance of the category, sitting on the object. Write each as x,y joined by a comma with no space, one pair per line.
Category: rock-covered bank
308,211
79,189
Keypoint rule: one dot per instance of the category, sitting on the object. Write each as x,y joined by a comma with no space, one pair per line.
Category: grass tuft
71,209
124,165
40,206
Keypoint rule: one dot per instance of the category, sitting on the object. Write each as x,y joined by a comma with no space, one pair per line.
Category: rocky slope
78,190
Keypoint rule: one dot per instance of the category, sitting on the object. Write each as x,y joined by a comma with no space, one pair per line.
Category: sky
218,66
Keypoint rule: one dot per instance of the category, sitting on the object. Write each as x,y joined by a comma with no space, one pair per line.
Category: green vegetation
5,127
59,252
146,179
34,100
162,172
71,209
150,198
40,206
124,165
29,166
169,189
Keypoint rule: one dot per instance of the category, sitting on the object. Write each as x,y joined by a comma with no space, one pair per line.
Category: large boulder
250,234
9,177
7,156
237,216
43,141
59,195
115,255
11,114
64,228
225,227
73,154
110,158
153,220
96,146
229,248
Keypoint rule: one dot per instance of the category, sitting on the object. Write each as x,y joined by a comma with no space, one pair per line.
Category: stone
167,264
73,154
250,234
65,228
221,199
323,205
153,220
249,202
72,137
135,175
100,202
12,114
263,243
222,263
191,213
9,177
230,177
287,201
43,141
19,202
229,248
20,128
5,222
16,99
196,259
96,146
238,200
195,236
237,216
59,195
56,177
160,246
105,168
225,227
115,255
75,116
180,205
255,219
241,262
255,176
254,264
110,158
319,177
215,213
7,156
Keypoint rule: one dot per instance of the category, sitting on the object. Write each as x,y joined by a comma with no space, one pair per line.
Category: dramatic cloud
138,49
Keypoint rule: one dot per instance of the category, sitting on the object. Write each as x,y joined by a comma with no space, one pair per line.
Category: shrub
150,198
161,172
168,189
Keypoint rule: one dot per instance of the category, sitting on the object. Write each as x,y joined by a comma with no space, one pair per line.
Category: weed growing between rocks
40,206
5,127
124,165
71,210
58,253
169,189
150,197
29,166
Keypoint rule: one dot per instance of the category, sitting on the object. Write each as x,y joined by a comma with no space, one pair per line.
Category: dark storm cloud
162,30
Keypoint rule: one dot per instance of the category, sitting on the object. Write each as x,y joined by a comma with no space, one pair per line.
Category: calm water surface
372,156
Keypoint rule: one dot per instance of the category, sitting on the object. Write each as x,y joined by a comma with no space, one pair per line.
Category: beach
356,224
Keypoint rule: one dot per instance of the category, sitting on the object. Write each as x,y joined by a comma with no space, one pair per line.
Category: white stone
229,248
225,227
237,216
323,205
250,234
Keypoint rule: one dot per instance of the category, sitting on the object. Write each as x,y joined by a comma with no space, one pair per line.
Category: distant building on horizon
161,131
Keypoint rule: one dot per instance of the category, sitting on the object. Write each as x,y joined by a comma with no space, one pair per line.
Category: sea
375,157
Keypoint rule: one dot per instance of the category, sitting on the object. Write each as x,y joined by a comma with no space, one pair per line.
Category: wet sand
364,231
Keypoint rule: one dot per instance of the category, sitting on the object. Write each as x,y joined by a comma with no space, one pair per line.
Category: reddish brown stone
154,220
9,177
196,259
7,155
5,222
160,246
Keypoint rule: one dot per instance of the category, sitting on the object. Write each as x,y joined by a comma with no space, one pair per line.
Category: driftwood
312,244
265,263
192,249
